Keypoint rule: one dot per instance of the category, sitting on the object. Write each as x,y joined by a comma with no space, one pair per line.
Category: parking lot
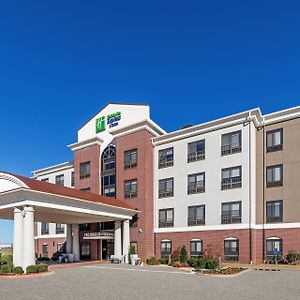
109,281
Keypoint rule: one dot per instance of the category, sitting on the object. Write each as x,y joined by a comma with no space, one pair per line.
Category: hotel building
229,186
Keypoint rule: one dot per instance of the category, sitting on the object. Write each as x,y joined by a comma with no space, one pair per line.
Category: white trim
273,238
136,129
50,236
277,226
195,240
165,241
85,143
55,168
66,208
231,239
12,178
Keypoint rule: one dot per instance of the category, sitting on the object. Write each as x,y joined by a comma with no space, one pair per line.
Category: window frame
198,155
45,254
195,189
45,231
273,218
196,222
270,256
60,182
232,255
165,193
233,182
163,161
274,183
228,149
165,254
231,219
130,194
85,170
73,179
197,254
129,164
61,229
166,222
273,147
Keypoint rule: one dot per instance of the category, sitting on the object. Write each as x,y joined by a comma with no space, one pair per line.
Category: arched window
231,249
108,171
273,248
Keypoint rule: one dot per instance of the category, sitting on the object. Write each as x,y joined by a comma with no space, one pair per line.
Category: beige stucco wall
290,158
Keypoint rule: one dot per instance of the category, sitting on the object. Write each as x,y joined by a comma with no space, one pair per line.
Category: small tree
183,255
175,255
132,250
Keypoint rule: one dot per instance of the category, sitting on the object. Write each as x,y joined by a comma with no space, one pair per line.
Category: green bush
42,268
175,257
8,258
292,257
211,264
18,270
32,269
152,261
163,261
183,255
5,269
132,249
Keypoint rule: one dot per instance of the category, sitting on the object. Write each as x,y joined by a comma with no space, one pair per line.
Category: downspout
264,194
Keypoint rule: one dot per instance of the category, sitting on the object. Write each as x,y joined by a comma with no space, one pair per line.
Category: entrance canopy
58,204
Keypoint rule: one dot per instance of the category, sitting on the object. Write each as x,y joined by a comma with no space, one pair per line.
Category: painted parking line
140,270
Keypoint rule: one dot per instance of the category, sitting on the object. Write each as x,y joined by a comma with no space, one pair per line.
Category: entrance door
107,249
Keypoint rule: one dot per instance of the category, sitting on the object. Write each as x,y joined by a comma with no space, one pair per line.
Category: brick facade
52,245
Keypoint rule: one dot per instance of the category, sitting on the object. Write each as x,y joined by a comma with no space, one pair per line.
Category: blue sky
191,61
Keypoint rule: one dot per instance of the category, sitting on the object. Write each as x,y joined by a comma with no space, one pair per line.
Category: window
135,245
231,249
60,228
196,248
85,170
274,176
130,159
231,143
85,227
45,228
72,179
45,179
166,158
274,140
196,183
108,184
165,249
196,215
196,151
85,251
60,180
274,211
130,188
231,212
60,248
273,245
166,188
231,178
87,189
108,171
45,251
166,217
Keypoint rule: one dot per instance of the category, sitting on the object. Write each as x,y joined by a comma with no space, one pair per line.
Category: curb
26,276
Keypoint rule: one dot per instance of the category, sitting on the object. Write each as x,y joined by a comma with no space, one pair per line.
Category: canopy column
18,237
126,239
69,239
75,230
118,238
28,237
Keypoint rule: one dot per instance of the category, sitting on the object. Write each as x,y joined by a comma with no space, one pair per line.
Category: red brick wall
52,245
141,140
92,154
211,239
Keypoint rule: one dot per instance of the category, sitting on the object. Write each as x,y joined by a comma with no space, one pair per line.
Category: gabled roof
57,190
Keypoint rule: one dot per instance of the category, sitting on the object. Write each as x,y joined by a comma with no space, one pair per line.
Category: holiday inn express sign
110,121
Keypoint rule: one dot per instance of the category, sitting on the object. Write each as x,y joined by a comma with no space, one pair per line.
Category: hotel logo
110,120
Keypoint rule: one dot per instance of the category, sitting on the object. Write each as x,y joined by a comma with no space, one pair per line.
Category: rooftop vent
187,126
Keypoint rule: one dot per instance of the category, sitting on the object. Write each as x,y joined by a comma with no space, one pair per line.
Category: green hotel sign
108,121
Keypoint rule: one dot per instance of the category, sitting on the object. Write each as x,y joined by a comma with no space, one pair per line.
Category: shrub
211,264
183,255
8,258
292,257
32,269
42,268
132,250
18,270
5,269
175,255
163,261
192,262
152,261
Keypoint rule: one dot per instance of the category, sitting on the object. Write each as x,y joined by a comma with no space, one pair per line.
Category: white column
69,238
126,239
28,237
118,238
75,230
18,237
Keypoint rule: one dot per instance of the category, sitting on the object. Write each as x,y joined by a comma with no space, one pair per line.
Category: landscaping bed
222,271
